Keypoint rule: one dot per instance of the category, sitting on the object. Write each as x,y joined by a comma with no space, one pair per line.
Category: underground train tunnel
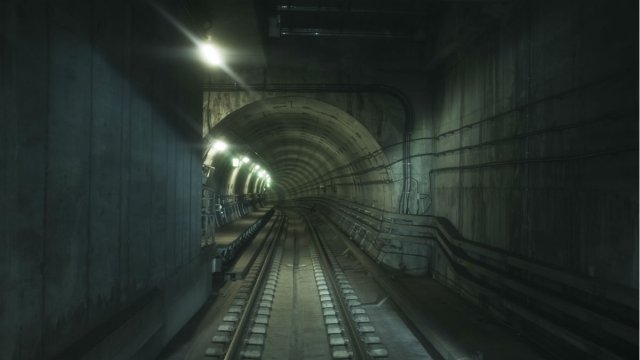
319,179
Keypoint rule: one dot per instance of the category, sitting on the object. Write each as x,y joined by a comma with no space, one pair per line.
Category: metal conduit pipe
561,95
608,152
614,117
409,120
346,9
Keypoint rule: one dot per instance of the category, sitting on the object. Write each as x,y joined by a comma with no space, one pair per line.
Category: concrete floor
296,329
450,320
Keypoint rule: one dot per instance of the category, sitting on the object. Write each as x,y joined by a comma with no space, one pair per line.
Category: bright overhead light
245,160
210,54
220,145
257,167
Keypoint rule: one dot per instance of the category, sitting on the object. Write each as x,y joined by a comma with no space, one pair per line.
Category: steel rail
356,344
232,351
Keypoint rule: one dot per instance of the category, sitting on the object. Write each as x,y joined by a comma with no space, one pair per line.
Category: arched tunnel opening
309,148
335,179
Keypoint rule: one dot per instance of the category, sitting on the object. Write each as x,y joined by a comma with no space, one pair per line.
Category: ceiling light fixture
210,53
220,145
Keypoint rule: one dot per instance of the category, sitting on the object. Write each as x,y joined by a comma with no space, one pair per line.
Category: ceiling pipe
340,10
337,33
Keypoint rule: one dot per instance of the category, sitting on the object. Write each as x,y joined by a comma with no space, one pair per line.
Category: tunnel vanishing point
487,148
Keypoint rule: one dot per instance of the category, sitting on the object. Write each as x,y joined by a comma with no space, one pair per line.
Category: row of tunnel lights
236,162
211,55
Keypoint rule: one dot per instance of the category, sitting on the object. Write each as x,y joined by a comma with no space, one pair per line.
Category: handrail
245,236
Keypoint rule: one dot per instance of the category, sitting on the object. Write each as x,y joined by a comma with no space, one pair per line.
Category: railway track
296,302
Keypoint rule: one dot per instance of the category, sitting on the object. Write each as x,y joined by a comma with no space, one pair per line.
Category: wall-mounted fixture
207,171
210,54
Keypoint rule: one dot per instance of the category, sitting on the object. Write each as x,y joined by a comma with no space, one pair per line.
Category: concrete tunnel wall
329,63
101,159
91,110
531,152
310,147
536,128
530,131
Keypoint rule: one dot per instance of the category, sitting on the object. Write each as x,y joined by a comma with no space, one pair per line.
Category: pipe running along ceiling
309,147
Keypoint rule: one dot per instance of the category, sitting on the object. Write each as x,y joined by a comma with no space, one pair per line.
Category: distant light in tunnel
220,145
210,54
245,160
235,162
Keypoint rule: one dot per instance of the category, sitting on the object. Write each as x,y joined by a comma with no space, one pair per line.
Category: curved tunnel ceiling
302,140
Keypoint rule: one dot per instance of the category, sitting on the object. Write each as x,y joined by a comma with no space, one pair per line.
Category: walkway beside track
228,233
